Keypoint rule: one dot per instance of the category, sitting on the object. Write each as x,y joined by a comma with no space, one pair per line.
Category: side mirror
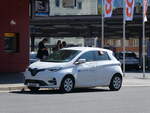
80,61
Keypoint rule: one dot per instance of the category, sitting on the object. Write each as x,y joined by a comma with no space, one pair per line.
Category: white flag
145,6
129,9
108,8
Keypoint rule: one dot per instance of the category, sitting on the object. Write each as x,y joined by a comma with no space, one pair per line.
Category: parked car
131,60
32,57
75,67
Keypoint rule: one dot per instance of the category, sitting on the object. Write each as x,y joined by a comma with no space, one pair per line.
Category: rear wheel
34,89
116,83
67,84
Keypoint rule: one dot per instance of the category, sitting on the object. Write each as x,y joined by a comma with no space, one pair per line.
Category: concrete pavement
15,81
136,79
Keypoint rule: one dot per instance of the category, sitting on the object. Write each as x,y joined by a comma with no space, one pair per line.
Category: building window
79,5
57,3
41,8
127,43
118,43
68,3
135,43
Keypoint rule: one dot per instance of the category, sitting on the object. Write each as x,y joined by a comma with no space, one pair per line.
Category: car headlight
55,69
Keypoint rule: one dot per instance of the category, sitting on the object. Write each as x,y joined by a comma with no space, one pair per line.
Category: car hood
46,65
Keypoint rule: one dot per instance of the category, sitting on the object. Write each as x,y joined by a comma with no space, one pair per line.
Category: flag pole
102,34
124,37
143,41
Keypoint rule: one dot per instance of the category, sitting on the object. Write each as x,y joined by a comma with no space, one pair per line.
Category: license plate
33,84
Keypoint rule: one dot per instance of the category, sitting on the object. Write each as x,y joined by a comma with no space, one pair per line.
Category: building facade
46,8
14,35
14,27
73,7
90,7
62,7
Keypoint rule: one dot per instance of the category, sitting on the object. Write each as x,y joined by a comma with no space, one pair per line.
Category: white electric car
75,67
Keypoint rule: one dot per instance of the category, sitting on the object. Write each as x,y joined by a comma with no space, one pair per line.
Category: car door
103,67
85,71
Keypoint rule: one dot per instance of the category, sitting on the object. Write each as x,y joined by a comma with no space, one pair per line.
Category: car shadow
51,92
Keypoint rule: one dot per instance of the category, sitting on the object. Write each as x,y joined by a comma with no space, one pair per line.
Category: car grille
40,82
34,71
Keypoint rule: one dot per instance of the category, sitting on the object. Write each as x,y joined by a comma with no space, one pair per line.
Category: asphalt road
127,100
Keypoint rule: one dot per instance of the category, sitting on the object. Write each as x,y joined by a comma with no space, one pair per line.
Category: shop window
11,44
57,3
79,5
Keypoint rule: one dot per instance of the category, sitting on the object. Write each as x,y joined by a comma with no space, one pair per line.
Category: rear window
130,55
120,55
95,56
101,55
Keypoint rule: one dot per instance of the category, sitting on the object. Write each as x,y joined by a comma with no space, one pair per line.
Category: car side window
101,55
89,56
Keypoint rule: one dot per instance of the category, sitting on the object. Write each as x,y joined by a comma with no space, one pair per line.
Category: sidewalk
11,81
136,79
15,81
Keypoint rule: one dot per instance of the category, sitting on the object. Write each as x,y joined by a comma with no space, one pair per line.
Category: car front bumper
42,79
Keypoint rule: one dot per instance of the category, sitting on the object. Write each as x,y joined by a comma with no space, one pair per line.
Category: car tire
34,89
67,84
116,83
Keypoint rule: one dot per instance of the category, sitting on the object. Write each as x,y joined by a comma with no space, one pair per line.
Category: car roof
86,49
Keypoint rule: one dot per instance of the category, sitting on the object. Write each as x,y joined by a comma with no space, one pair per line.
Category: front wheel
116,83
67,84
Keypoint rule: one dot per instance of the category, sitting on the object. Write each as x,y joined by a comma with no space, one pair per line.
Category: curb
126,83
23,88
12,87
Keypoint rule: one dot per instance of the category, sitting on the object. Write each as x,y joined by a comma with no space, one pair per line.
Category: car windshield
62,56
